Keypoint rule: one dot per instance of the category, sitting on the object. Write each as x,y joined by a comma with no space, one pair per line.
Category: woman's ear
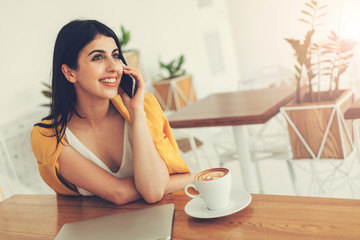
68,73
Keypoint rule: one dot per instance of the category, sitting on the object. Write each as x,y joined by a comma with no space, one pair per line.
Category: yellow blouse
47,154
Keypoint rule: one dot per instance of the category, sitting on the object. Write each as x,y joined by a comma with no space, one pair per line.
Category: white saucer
238,200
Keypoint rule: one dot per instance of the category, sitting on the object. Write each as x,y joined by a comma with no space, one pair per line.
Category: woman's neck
94,113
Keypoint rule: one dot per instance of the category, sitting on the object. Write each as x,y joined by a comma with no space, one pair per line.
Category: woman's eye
116,55
97,57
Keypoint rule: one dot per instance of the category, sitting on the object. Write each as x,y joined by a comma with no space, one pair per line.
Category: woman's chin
111,94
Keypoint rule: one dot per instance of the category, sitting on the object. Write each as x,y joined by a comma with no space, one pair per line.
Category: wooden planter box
321,126
132,59
176,93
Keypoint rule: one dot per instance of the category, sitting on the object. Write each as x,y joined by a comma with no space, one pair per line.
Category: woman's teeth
108,80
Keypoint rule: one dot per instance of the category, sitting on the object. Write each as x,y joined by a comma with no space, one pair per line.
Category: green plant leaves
124,38
330,59
305,21
46,93
306,13
173,68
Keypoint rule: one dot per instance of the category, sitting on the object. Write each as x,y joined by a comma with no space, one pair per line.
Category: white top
126,168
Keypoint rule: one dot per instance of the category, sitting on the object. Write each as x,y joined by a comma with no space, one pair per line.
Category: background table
267,217
236,109
353,111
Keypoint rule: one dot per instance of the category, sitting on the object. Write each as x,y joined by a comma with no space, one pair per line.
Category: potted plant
131,55
46,93
174,90
315,120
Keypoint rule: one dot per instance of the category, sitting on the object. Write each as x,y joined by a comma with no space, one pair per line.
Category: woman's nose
113,65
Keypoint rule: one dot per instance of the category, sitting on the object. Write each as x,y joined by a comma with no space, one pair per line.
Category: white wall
260,26
159,28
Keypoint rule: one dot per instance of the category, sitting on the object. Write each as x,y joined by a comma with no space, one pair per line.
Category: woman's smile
109,81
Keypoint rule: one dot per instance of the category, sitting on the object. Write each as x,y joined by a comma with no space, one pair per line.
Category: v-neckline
94,155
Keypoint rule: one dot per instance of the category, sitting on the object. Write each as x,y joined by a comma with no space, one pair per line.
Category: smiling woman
97,140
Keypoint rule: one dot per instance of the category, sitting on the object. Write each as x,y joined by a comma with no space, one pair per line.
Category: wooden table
236,109
31,217
353,111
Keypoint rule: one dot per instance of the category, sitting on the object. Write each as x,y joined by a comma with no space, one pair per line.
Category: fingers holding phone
128,84
132,84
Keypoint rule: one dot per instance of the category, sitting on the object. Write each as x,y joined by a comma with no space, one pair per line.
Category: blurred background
223,41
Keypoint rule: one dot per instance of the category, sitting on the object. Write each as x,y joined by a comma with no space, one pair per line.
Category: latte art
211,175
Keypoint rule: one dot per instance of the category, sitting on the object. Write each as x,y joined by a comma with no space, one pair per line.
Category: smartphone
128,84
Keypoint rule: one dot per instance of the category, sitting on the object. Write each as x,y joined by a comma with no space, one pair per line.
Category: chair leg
195,152
258,175
314,185
293,177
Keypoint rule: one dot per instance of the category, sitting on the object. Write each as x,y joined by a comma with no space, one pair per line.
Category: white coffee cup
214,186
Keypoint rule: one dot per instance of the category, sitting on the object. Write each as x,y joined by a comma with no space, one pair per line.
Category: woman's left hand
135,104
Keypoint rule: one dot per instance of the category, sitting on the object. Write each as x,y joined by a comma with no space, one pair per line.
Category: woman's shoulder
42,129
152,107
151,102
44,142
149,98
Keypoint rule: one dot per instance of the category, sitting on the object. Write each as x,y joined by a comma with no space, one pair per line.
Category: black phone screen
127,84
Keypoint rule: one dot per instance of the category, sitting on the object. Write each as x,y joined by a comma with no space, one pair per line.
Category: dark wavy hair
72,38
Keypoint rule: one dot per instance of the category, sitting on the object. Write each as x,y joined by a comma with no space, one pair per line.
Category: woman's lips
109,82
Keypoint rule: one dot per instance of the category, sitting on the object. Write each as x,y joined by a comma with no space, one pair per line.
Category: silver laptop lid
149,223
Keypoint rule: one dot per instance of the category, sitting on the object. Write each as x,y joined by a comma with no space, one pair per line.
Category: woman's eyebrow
96,50
102,51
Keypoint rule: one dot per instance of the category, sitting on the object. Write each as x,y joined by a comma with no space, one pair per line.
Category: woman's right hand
136,104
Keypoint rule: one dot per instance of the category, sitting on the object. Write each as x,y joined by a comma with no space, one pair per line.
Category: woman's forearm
150,172
179,181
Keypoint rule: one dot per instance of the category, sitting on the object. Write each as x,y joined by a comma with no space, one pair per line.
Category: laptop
149,223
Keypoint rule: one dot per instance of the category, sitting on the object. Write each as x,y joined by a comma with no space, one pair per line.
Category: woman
97,140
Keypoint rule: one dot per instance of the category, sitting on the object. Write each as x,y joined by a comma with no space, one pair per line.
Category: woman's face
99,69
